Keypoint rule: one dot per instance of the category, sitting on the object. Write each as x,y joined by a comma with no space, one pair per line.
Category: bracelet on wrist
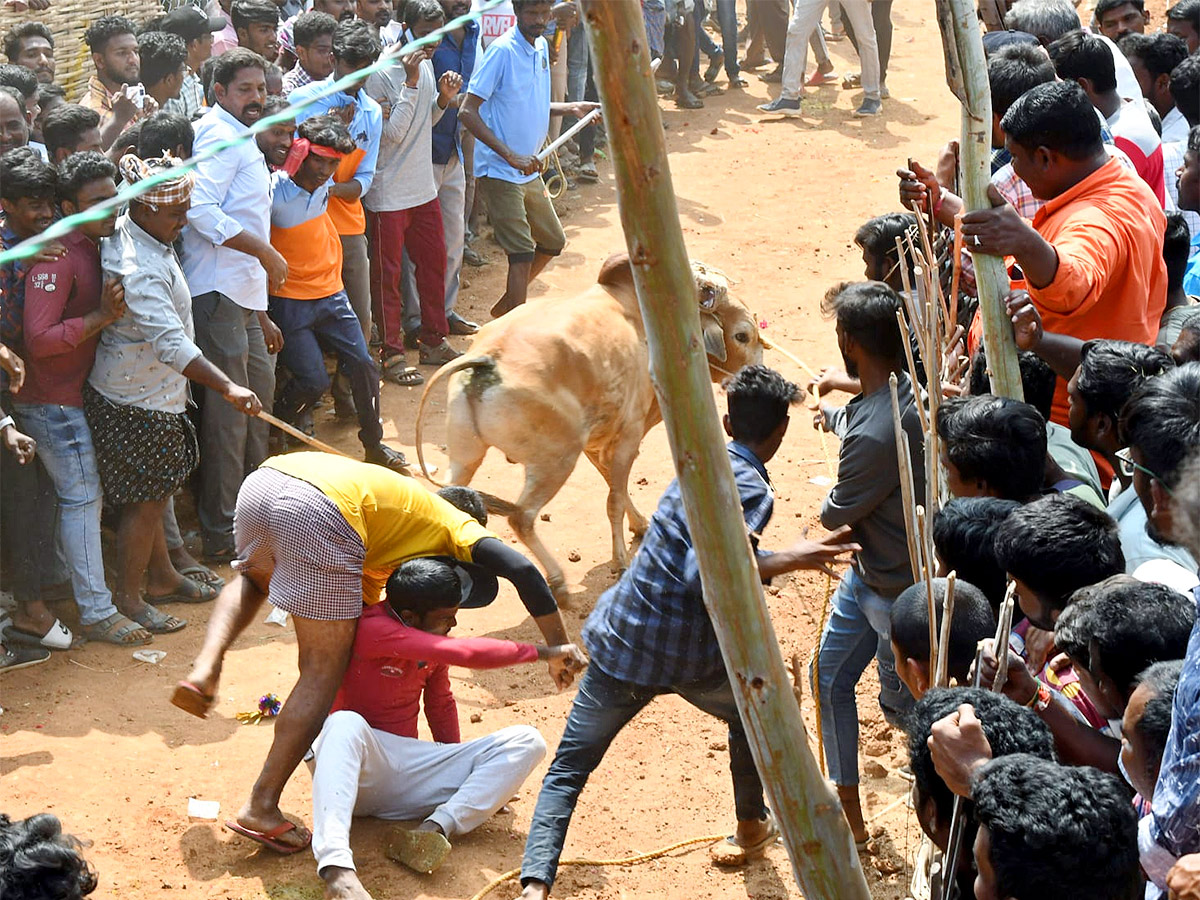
6,422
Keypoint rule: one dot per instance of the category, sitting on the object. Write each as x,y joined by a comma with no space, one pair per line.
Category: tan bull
567,375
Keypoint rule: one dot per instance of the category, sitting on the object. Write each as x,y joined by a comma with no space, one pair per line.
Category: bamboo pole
966,74
814,830
942,678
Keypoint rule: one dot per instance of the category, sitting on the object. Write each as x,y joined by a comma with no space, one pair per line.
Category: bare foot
343,884
852,807
752,831
266,820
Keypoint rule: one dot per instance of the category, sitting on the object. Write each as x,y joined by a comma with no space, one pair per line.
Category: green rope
66,225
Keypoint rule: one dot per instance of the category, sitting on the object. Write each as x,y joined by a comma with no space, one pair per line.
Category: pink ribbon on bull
299,151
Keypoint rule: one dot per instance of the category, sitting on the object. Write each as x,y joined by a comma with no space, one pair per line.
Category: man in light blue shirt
508,109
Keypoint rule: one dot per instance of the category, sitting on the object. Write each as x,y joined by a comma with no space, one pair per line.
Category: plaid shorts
286,527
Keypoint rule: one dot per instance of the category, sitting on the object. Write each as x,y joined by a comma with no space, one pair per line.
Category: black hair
25,175
866,310
1014,69
354,43
22,30
162,55
1081,55
759,399
878,235
1046,20
1185,88
327,131
1057,115
312,25
422,11
1155,724
964,535
995,439
164,131
1103,6
243,13
39,862
46,91
104,29
274,104
11,91
1176,250
1058,544
971,623
1186,11
64,127
1110,371
229,63
1121,625
23,79
1008,726
127,140
1037,379
1057,830
81,168
466,500
1159,52
1193,139
1162,420
422,585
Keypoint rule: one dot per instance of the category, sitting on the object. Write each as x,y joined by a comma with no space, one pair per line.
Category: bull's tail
494,504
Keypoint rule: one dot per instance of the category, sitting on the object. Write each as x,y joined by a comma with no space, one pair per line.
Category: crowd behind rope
138,350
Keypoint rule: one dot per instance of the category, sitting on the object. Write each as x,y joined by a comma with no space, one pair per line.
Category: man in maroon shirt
368,761
67,304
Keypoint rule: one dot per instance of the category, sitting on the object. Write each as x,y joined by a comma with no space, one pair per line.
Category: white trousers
361,771
806,16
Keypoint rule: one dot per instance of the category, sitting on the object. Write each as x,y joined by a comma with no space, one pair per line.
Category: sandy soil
92,738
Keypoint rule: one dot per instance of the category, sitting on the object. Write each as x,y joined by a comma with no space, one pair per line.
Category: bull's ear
714,339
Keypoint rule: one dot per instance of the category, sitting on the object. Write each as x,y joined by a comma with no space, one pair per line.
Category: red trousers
418,230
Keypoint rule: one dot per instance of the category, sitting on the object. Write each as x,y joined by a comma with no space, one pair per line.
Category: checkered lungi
287,527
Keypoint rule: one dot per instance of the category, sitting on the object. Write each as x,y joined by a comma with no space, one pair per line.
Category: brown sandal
396,371
117,629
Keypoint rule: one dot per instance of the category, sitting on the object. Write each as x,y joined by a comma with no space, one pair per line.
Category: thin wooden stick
771,345
903,263
931,259
927,577
943,670
1003,635
904,458
912,367
300,435
954,278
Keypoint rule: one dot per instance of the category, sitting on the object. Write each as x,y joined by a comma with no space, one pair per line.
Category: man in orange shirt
1092,256
311,306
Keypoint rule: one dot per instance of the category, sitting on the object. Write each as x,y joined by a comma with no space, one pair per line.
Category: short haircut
229,63
162,55
1162,679
354,43
759,399
243,13
1186,11
327,131
1037,379
1058,544
971,623
312,25
964,535
24,175
82,168
46,91
995,439
127,140
1104,6
274,104
1057,830
1082,55
1014,69
1058,116
1121,625
878,235
422,585
21,31
1162,420
1047,20
165,131
104,29
1159,52
1185,88
1009,727
1110,371
1176,250
38,861
63,127
466,500
23,79
422,11
866,310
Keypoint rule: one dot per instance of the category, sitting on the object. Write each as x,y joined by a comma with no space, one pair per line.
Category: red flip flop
191,699
817,79
267,838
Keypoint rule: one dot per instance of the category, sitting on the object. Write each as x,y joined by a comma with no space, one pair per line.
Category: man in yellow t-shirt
319,535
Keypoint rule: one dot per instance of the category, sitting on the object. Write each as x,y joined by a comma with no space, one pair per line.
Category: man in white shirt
1153,58
228,261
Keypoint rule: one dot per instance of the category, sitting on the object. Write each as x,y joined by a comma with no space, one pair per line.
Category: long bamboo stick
943,668
904,458
815,832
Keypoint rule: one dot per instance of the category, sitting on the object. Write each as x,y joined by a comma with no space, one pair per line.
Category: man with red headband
311,307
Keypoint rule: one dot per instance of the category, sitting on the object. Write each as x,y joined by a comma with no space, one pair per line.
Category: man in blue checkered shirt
650,634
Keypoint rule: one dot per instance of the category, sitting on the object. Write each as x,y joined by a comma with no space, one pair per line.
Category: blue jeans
601,709
857,629
579,60
64,445
727,18
308,326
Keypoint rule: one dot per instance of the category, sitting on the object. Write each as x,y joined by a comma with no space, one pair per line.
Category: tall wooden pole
817,837
966,74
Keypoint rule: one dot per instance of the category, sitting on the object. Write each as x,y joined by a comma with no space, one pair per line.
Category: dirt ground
91,737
